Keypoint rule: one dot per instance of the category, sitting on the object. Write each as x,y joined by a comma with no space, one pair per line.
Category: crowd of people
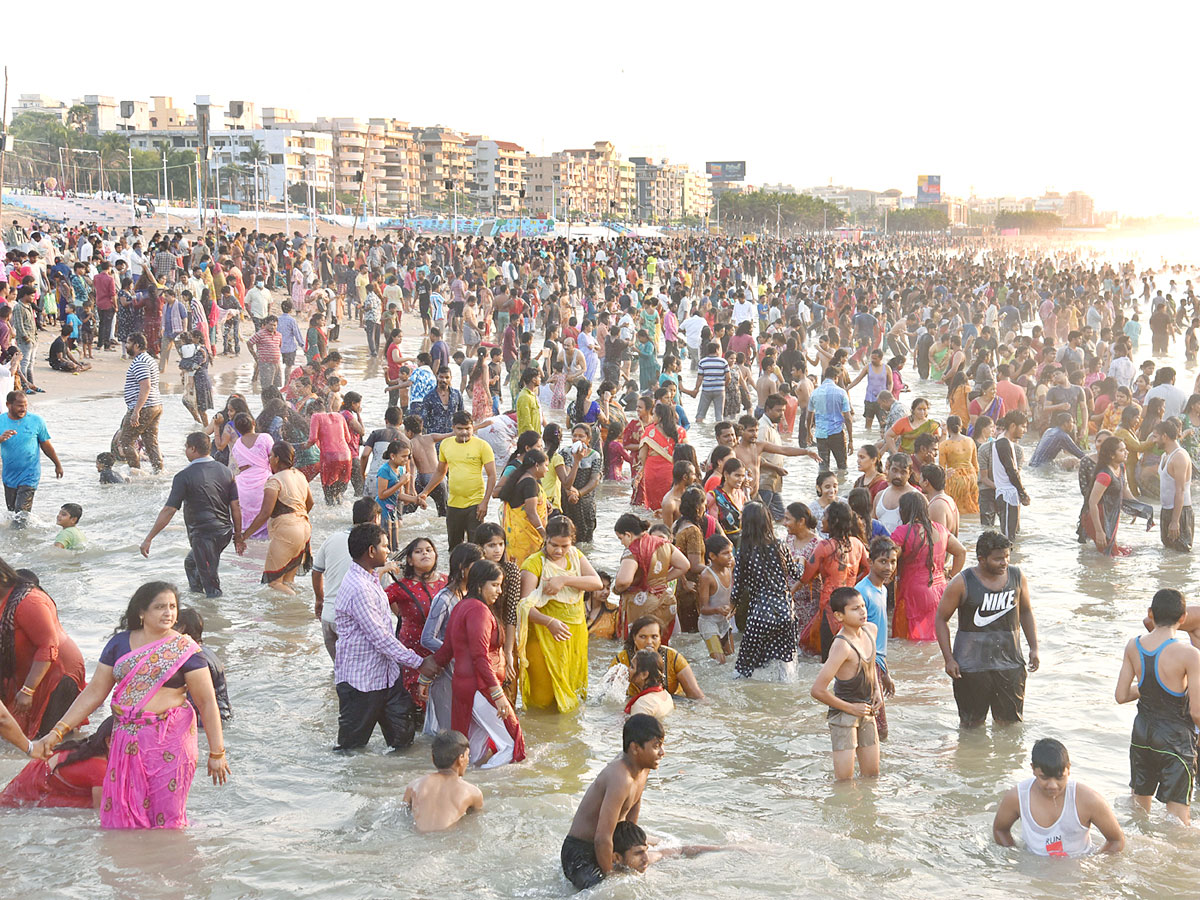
546,369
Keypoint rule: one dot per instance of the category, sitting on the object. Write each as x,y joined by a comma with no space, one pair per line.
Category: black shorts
1000,690
1162,759
579,863
871,411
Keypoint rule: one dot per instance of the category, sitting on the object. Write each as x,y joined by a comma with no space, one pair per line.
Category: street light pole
132,205
256,228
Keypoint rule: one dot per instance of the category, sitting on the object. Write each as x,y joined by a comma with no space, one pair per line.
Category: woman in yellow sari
552,636
959,456
525,507
286,503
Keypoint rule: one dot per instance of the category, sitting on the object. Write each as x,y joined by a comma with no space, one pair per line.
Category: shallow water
751,765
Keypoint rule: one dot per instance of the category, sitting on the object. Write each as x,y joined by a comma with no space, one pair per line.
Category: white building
40,103
292,157
497,172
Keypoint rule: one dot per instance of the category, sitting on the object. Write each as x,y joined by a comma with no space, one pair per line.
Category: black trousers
106,330
392,709
203,559
461,522
836,444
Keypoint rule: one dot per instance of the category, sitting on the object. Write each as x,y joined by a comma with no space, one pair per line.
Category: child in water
104,465
191,623
646,677
713,601
70,537
600,610
440,799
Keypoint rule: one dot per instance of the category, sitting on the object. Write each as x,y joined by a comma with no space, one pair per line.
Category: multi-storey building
43,105
1078,209
497,173
398,172
660,189
596,183
445,161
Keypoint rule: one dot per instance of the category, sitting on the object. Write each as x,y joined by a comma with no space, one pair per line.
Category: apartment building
444,158
287,157
497,173
1078,209
660,189
595,181
399,171
42,105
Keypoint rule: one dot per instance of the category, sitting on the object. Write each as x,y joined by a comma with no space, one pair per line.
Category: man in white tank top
1176,523
1056,811
887,502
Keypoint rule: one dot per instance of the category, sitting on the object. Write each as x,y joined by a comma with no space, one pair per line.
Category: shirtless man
424,457
615,796
749,449
441,798
942,507
887,504
683,475
803,388
768,382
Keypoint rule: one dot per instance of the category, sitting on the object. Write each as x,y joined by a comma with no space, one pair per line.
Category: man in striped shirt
710,382
367,667
266,346
144,405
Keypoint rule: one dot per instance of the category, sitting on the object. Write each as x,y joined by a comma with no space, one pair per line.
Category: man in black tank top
1162,674
986,665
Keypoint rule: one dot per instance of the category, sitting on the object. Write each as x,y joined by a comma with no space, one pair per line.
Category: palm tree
253,153
77,119
113,148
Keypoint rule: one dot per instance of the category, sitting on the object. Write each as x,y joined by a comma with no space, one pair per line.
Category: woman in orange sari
656,455
631,439
841,561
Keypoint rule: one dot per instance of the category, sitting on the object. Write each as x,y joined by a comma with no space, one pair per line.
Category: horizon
1058,121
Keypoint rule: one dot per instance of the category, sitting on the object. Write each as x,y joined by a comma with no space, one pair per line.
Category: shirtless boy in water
615,796
440,799
631,849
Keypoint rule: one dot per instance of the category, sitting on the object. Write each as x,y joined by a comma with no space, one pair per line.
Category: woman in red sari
631,439
656,456
480,710
73,777
410,599
150,669
41,668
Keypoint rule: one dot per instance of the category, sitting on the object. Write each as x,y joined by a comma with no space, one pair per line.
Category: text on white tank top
1066,837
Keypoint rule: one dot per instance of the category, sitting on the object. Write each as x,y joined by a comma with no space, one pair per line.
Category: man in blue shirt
291,338
830,419
1055,440
22,435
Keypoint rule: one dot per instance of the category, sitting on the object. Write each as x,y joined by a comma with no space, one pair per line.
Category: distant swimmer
1056,811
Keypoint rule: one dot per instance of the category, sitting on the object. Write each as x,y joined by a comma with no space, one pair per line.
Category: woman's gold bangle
212,755
27,690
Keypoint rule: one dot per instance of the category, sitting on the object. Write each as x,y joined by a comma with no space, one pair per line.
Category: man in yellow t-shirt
465,459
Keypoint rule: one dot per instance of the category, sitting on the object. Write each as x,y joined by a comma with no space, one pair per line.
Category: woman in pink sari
251,455
921,577
150,669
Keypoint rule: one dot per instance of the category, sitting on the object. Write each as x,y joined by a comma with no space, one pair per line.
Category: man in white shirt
331,562
1122,368
744,310
692,327
258,302
1164,386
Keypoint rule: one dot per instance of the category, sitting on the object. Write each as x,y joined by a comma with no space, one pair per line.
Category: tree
113,150
759,210
1029,221
923,218
253,153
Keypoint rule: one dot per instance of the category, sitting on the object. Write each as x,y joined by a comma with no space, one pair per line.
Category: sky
999,99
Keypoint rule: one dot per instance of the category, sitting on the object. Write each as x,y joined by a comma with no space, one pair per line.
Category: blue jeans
773,501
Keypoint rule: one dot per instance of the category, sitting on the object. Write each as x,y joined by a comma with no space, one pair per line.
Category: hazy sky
1005,99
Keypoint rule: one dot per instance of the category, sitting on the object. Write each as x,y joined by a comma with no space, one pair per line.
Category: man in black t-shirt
207,493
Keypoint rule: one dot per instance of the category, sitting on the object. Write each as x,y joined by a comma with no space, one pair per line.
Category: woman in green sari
903,435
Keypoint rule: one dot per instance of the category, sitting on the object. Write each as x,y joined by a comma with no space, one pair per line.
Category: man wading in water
615,796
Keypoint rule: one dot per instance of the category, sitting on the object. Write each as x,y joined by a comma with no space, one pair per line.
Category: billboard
929,189
726,171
